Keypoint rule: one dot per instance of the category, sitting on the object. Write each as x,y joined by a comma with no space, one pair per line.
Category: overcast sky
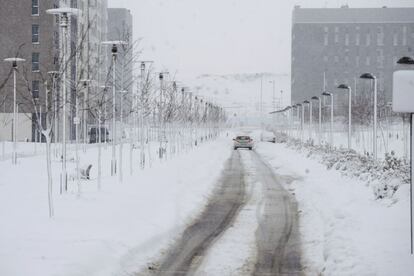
193,37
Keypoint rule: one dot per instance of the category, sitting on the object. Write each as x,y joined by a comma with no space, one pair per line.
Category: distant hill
241,92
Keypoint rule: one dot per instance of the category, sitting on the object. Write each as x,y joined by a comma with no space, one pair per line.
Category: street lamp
310,117
64,14
273,99
114,51
85,85
373,78
140,124
406,61
410,61
105,89
121,140
85,107
344,86
331,127
54,75
302,119
14,62
319,116
295,107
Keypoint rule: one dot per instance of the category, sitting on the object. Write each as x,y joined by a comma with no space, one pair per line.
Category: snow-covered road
262,238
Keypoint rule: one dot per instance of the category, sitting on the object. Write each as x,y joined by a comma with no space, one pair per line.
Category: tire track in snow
277,235
187,253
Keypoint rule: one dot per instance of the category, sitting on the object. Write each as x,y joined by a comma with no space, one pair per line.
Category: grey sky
223,36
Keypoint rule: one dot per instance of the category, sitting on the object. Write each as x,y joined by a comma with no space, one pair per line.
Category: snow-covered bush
383,176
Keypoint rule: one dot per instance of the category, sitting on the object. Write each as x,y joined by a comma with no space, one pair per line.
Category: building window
367,61
336,59
395,39
357,61
325,39
35,33
380,58
336,35
326,29
325,58
380,37
35,7
347,39
35,89
357,39
368,40
346,59
35,62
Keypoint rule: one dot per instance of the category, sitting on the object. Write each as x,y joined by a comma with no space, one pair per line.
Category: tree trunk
49,172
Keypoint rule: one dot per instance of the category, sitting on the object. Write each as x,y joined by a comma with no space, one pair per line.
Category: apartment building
331,46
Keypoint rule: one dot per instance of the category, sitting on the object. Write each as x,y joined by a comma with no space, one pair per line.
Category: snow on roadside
344,230
114,231
234,253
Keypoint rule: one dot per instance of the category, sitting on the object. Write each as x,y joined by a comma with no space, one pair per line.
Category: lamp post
141,115
141,118
273,99
319,116
302,119
104,99
331,126
14,62
373,78
410,61
121,140
54,75
85,84
114,51
292,120
161,133
64,14
344,86
309,103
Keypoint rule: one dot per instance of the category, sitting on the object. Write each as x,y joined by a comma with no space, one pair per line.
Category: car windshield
243,138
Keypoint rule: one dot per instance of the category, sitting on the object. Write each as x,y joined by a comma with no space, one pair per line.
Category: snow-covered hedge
383,176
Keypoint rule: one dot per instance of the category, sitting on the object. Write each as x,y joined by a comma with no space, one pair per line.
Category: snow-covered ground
112,231
344,230
122,227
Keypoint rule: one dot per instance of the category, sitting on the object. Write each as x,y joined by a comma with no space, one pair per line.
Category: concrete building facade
29,32
334,46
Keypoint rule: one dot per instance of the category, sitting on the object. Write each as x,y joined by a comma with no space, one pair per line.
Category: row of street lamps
367,76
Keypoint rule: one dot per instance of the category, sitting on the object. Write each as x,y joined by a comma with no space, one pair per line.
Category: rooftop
353,15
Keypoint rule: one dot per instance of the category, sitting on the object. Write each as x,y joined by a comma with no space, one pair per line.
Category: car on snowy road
243,142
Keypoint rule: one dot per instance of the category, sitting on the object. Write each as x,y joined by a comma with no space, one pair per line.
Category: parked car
94,135
268,136
243,142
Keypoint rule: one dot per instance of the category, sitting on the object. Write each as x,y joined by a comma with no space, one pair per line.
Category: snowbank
345,230
384,176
